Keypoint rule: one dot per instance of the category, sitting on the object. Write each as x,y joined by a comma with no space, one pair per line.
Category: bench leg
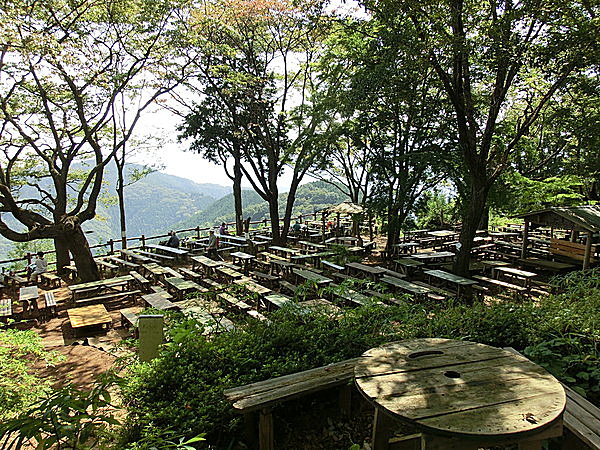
265,430
383,427
346,400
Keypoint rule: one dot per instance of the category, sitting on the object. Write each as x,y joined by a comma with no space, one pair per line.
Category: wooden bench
499,283
288,286
161,290
122,263
238,304
570,250
51,279
263,395
128,317
436,293
155,256
107,266
330,265
50,302
5,307
269,279
256,315
141,281
105,297
383,297
190,274
581,420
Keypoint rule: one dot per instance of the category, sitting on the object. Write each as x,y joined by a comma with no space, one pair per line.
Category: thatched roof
346,208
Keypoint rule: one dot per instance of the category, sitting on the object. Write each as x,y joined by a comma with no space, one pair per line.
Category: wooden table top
172,250
88,315
370,269
450,277
312,276
242,255
158,301
28,293
516,272
181,284
408,262
206,262
252,286
101,283
460,388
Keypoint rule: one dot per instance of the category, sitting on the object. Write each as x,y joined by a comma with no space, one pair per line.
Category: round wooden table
460,394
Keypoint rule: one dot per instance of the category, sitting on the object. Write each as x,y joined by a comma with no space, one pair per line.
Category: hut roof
585,218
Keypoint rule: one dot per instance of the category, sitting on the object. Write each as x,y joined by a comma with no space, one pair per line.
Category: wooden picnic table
406,286
158,301
155,271
447,277
308,275
513,272
252,286
442,234
544,264
179,286
88,316
95,286
460,394
372,272
244,259
130,254
171,251
491,263
277,265
311,245
407,264
229,273
405,247
284,251
208,265
28,296
432,256
277,301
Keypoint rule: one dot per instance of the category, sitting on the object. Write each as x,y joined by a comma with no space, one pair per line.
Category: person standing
173,240
213,244
39,266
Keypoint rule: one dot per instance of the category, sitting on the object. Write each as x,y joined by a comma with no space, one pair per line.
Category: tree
63,65
499,63
256,64
388,107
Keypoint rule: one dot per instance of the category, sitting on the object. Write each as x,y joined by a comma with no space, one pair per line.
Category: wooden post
573,235
198,232
143,239
383,429
111,244
525,236
588,250
265,430
323,225
370,226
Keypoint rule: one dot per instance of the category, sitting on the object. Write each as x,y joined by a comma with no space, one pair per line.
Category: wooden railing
111,245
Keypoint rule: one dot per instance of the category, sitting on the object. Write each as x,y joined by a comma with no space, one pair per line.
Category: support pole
525,236
588,250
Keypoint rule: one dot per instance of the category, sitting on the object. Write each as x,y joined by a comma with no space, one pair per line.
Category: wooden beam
588,250
525,236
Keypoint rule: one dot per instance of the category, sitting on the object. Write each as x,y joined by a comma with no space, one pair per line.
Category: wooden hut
577,219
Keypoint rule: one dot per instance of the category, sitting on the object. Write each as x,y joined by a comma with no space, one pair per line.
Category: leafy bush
18,387
182,390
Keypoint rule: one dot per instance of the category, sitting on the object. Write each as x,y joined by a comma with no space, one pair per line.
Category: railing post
111,243
198,232
143,239
28,256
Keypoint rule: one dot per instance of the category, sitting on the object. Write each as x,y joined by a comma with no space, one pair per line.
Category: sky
172,157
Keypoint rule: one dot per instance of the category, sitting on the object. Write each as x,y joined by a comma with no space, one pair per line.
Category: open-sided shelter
578,219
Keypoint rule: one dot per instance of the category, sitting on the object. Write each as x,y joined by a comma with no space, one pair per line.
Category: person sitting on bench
213,244
39,266
173,240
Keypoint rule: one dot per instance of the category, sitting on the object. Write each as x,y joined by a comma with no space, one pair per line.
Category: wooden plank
263,393
88,316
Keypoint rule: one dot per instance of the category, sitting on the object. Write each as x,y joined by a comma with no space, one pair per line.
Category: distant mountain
310,197
153,205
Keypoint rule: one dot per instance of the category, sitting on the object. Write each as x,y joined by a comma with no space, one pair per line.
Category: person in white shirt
40,265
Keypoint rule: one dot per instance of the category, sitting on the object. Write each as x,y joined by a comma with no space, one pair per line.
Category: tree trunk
393,228
121,196
275,228
87,270
475,206
289,207
237,199
63,258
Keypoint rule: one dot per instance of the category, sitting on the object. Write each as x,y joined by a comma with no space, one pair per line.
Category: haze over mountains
160,202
